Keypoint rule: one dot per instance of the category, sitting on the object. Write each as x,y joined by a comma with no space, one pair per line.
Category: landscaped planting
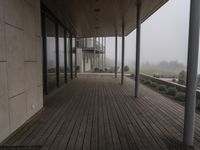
170,92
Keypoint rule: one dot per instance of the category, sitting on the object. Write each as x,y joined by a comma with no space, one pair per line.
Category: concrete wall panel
29,19
21,93
2,41
14,12
17,108
15,56
31,87
4,111
29,47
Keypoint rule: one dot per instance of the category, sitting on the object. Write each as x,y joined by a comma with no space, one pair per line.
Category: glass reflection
51,54
61,55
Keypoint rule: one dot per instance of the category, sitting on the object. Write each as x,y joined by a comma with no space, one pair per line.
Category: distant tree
182,77
126,68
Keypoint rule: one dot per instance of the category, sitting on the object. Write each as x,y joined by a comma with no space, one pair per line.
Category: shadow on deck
96,112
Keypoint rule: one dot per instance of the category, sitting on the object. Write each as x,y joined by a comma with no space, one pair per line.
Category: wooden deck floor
96,112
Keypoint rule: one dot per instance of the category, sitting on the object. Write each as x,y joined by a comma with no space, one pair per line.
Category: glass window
61,55
51,54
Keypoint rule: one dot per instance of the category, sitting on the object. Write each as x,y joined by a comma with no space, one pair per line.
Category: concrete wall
20,63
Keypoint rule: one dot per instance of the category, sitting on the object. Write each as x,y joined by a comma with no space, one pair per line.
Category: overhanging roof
91,18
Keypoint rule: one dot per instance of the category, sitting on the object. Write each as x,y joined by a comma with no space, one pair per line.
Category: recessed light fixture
97,10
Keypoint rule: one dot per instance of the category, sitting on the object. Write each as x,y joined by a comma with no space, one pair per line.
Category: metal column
57,58
83,62
116,56
137,65
75,59
44,40
192,66
71,57
65,54
122,66
105,53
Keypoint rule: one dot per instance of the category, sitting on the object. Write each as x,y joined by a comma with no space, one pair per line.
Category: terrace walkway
96,112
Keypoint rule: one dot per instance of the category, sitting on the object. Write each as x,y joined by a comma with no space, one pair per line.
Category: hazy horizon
164,36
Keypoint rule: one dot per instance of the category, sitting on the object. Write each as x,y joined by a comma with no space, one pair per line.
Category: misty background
164,41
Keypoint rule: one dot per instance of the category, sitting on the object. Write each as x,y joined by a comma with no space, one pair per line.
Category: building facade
91,54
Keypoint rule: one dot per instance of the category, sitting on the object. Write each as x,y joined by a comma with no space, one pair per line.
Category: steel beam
137,64
192,65
122,66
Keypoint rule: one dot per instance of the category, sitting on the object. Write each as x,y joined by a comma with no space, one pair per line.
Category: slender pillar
122,66
192,65
83,62
99,61
65,54
105,53
71,57
116,56
94,60
57,58
137,64
75,59
44,40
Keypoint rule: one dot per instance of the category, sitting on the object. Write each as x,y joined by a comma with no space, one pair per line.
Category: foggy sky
164,36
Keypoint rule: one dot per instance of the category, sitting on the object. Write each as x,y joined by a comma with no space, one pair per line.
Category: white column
192,66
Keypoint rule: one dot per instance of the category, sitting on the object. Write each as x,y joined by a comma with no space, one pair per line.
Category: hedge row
171,91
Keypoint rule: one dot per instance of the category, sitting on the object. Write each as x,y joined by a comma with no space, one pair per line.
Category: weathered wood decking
96,112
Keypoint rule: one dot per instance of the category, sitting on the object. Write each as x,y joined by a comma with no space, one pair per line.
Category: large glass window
61,55
51,54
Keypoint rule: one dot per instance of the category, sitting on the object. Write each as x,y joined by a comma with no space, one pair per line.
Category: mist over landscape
164,41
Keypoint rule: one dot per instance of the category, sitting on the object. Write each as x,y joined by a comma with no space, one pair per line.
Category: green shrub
180,96
172,91
147,82
154,85
162,88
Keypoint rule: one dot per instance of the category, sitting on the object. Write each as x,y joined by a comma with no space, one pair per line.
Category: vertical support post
57,58
44,40
94,60
116,56
192,65
83,62
105,53
75,59
122,66
71,57
99,60
137,64
102,53
65,54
